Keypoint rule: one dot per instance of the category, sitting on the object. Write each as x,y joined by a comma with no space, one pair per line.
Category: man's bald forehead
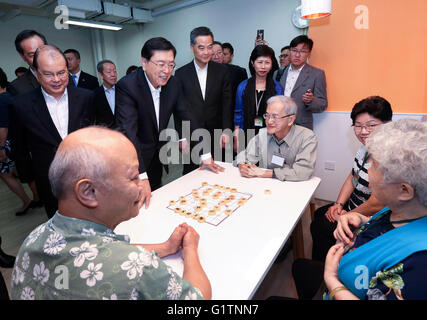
96,136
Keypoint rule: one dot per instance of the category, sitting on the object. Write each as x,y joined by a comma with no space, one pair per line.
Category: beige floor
13,230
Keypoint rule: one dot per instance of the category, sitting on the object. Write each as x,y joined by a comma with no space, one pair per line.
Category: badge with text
258,122
278,159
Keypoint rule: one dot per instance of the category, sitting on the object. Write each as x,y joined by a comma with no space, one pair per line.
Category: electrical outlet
330,165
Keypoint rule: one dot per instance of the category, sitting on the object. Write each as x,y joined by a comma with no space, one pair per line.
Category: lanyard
257,103
357,175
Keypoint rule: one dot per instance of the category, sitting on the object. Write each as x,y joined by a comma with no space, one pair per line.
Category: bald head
47,52
88,153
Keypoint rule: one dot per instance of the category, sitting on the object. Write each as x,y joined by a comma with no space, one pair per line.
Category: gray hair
72,164
400,148
290,107
100,65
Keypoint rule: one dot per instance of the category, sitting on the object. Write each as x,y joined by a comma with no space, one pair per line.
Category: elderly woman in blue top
386,256
252,94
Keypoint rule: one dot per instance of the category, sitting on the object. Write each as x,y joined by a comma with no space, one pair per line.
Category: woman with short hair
386,256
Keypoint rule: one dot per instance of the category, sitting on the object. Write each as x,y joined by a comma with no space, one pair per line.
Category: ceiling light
315,9
94,24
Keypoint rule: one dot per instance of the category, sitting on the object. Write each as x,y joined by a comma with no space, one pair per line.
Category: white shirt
202,75
77,75
155,93
110,94
291,80
58,110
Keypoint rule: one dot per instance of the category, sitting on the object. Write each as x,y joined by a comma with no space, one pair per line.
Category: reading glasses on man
162,64
369,127
274,116
299,51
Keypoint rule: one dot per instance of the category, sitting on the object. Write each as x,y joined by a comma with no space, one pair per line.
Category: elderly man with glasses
282,150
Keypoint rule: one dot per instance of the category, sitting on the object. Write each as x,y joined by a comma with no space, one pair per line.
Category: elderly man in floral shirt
76,255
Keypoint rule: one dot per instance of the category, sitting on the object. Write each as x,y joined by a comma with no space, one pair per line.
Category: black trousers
44,190
4,295
322,233
154,172
308,277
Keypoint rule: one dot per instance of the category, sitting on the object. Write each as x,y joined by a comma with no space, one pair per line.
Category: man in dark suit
26,44
206,88
105,95
80,78
44,116
145,101
304,83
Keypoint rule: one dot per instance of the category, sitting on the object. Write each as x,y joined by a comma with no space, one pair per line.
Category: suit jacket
23,84
87,81
215,111
135,113
309,78
35,131
103,113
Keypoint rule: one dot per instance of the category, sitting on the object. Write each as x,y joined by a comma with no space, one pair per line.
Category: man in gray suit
304,83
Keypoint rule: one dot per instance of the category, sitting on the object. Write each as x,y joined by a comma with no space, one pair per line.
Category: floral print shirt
68,258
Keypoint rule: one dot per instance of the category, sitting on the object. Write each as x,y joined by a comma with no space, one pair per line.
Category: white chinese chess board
209,203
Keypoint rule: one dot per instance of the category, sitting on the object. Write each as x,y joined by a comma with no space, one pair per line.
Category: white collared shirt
155,93
58,110
291,80
77,75
110,94
202,75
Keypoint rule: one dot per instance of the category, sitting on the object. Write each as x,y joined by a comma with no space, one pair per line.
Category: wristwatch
339,203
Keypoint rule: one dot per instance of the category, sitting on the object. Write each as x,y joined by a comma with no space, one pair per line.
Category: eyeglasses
283,56
218,53
274,116
295,51
162,64
368,127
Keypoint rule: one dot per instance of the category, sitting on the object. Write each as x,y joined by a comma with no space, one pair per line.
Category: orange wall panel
389,58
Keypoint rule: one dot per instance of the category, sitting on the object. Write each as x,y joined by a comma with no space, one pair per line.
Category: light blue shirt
110,94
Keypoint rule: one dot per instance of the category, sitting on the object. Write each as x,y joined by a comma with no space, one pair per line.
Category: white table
237,254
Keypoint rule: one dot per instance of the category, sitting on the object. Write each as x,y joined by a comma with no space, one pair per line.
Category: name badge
278,159
258,122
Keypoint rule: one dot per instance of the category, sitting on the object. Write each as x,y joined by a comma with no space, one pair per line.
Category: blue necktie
74,79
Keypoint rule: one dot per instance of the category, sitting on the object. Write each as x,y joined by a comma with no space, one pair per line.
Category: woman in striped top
366,115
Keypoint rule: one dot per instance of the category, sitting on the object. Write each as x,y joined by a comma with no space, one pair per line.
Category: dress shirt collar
77,74
198,69
113,88
48,97
287,139
152,89
299,70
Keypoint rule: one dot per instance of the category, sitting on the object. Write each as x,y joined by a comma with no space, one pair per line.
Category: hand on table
246,170
211,165
174,243
190,242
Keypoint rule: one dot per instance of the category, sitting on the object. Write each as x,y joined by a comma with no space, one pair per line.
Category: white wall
337,143
234,21
77,38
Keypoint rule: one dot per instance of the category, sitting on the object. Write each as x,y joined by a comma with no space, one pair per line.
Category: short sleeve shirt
68,258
